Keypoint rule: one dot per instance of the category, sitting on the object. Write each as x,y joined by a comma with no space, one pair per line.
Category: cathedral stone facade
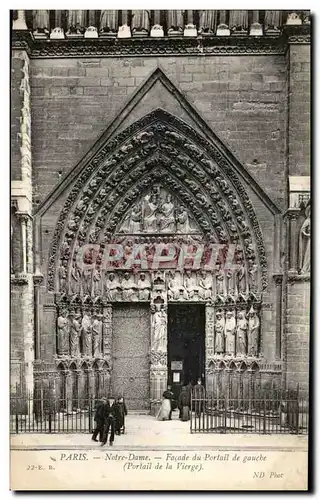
160,208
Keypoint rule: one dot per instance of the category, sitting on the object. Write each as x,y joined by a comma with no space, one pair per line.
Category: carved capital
278,278
37,279
292,214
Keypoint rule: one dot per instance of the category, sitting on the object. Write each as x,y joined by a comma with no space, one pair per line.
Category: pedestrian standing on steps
120,413
109,422
100,418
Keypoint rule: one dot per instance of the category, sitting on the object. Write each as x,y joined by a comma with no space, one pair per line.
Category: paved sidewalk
145,432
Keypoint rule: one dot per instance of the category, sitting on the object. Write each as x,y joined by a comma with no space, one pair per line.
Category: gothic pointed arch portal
158,183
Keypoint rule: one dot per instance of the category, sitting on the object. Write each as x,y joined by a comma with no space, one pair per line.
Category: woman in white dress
165,408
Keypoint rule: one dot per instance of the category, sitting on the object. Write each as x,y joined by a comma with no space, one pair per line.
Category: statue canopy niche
158,212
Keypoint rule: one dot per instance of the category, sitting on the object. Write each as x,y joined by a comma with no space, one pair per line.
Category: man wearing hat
109,422
100,418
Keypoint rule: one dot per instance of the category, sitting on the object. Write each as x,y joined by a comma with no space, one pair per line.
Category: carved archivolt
159,152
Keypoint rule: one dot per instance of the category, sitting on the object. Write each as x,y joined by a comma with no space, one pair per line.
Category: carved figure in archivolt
129,288
113,287
230,332
242,327
135,219
62,278
75,279
230,281
159,329
144,287
97,334
241,280
182,220
96,282
167,220
63,333
205,285
75,332
253,332
150,213
219,328
253,270
304,244
86,327
220,282
87,281
190,285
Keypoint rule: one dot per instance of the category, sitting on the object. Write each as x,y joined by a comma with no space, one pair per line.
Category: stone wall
242,98
298,333
299,110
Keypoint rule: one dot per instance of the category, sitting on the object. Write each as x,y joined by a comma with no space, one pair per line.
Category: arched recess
159,149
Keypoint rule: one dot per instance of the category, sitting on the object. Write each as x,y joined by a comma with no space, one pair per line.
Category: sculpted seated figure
205,286
113,287
144,287
128,287
191,288
175,288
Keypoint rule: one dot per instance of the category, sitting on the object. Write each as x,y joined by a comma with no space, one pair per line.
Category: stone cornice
299,34
166,46
294,276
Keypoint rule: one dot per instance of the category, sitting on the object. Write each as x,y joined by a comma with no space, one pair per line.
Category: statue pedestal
223,30
172,32
91,32
124,32
38,35
190,30
272,32
256,29
107,34
57,34
156,31
139,34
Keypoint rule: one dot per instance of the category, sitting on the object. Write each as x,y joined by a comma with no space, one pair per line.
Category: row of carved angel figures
237,333
79,334
80,22
187,285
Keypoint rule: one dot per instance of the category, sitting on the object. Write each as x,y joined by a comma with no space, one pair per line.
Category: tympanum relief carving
158,212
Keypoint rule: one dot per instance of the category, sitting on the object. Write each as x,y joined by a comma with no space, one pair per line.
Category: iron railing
276,413
47,415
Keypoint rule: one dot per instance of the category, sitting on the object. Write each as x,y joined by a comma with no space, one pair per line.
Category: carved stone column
278,280
91,384
37,280
23,228
107,334
292,215
209,340
68,391
158,356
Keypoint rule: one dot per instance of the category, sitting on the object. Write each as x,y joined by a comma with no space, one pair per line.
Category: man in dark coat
120,413
100,417
168,394
109,422
184,404
199,394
